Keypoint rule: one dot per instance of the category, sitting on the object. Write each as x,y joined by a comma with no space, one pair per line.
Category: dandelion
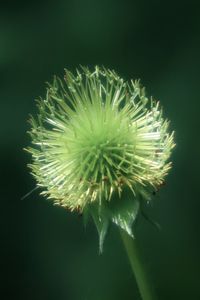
99,145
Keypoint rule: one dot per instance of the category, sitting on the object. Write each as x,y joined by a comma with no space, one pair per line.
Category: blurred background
45,252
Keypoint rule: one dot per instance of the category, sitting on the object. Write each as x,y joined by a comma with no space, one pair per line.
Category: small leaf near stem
122,211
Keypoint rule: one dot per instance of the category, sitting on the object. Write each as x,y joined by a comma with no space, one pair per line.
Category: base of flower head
121,211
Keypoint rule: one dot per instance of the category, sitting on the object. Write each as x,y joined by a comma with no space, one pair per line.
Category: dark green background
45,253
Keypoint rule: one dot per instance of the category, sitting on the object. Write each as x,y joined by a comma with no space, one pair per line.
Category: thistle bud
98,145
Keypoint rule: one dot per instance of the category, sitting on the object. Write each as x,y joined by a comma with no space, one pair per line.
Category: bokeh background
45,252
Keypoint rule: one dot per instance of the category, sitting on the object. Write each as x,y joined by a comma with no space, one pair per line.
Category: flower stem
144,287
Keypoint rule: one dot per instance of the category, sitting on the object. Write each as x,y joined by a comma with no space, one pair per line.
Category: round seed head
96,135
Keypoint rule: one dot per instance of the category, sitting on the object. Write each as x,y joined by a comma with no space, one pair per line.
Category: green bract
98,144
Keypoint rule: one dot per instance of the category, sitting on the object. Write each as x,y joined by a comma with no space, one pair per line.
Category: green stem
137,267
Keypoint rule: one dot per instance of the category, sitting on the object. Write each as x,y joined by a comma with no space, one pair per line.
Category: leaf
124,210
101,220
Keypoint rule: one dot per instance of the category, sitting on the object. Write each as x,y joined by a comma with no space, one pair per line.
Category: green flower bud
98,144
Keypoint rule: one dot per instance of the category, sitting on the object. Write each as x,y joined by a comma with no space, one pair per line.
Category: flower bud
98,145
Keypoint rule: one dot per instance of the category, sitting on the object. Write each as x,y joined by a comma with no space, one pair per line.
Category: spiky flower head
99,141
